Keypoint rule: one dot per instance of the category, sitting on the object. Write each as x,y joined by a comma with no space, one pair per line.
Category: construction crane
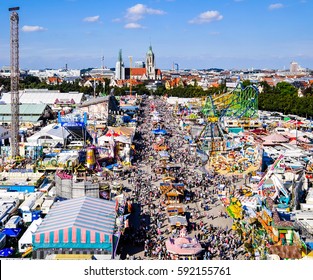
130,74
15,75
175,65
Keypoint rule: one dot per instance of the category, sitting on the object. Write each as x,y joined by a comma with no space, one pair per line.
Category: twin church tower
147,71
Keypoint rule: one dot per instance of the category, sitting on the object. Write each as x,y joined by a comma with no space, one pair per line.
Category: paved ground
211,217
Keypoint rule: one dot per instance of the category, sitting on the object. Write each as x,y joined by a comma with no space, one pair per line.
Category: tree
246,83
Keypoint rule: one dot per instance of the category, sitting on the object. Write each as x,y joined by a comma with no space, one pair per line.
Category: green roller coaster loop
239,103
244,103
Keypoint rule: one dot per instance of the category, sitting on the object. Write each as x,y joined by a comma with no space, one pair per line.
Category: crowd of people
149,227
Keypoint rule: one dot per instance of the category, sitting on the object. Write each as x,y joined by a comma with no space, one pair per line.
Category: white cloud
116,20
92,19
32,28
275,6
207,17
138,11
133,25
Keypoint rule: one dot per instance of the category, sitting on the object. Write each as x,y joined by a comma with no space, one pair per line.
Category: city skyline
193,33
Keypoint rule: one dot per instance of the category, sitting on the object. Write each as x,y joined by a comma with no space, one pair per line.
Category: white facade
5,71
294,67
119,71
26,240
55,72
140,64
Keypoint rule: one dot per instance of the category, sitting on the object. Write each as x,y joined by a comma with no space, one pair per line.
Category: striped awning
74,222
84,212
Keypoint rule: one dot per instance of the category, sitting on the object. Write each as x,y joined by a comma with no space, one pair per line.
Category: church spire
150,64
120,59
119,68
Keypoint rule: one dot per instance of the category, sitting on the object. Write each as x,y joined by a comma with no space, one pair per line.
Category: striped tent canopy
79,223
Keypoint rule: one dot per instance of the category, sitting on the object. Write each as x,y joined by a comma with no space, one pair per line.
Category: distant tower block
294,67
15,75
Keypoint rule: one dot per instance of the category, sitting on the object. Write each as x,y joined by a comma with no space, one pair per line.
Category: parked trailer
14,222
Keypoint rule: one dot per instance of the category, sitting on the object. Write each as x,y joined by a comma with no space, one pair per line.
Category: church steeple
119,68
120,59
150,64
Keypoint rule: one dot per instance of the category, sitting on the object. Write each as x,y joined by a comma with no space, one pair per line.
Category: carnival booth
175,210
184,247
159,147
177,222
116,188
173,192
166,168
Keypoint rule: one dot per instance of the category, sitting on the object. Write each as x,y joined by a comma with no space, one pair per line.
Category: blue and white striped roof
88,213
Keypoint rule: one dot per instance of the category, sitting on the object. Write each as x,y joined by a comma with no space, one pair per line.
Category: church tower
150,65
119,68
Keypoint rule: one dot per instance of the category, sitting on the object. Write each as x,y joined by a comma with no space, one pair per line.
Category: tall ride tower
15,75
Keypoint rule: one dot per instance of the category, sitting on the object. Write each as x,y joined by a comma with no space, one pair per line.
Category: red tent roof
112,133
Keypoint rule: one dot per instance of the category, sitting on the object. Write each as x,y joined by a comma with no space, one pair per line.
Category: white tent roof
104,138
296,132
55,131
27,237
123,139
43,96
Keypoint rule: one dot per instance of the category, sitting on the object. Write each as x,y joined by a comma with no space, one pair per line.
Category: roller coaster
237,107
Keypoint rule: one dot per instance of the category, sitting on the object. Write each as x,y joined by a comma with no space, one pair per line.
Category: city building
99,108
294,67
62,73
119,68
146,71
140,64
104,73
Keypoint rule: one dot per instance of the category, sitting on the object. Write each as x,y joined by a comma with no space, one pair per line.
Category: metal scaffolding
15,75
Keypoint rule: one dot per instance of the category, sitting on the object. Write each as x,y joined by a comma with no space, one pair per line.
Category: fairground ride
240,106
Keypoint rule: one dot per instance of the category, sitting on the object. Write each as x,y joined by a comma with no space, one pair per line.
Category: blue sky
193,33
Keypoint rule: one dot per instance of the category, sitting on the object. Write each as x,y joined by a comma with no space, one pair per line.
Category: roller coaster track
240,103
304,228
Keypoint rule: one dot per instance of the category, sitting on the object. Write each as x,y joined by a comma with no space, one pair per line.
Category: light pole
94,87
